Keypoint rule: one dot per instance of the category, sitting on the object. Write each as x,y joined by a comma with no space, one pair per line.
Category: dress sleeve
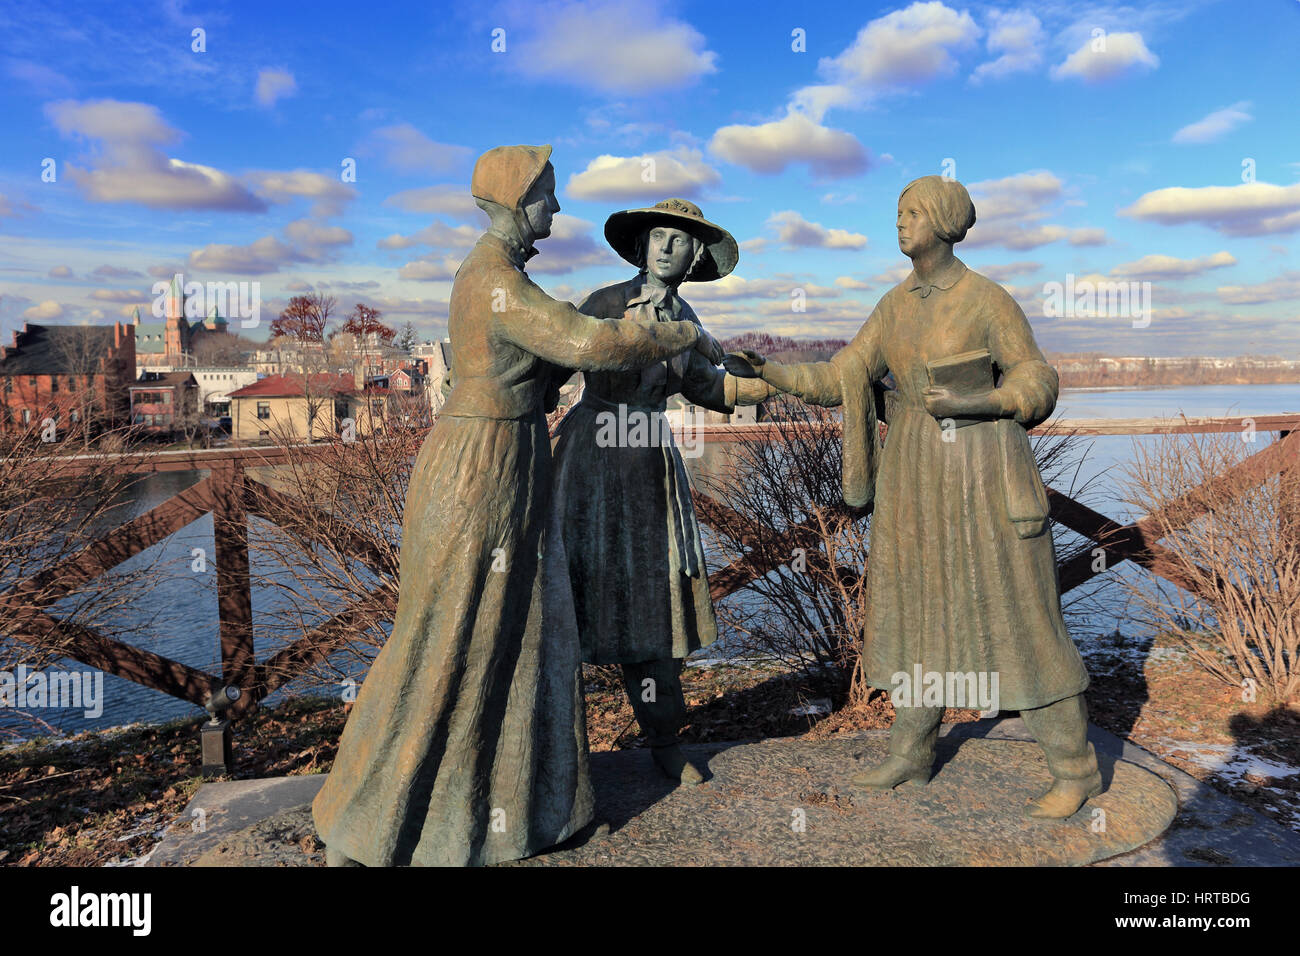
1029,385
560,334
821,383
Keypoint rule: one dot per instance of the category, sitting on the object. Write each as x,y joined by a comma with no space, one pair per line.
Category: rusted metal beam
234,589
83,644
123,542
319,643
263,500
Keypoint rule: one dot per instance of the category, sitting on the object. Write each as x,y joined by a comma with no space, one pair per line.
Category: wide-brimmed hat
505,174
624,228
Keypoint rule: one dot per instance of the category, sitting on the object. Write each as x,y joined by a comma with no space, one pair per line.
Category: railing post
234,591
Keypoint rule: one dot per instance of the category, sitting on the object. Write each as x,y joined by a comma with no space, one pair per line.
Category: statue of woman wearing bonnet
962,571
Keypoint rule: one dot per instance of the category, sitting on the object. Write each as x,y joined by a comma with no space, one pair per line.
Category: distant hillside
782,348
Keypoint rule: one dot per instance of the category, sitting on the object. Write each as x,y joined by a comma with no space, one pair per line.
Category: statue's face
668,253
916,233
540,205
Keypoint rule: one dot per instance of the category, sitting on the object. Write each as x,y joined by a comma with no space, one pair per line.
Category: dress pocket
1026,496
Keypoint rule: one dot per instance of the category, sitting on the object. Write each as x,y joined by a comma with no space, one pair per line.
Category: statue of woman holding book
962,567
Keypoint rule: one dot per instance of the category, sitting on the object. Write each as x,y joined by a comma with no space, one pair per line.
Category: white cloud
406,149
1215,125
118,295
570,246
771,147
258,258
1283,288
677,172
1171,267
902,48
281,186
610,46
309,232
1247,209
60,272
446,200
115,272
1009,270
1107,57
130,165
1018,37
1010,212
795,231
430,268
274,84
49,309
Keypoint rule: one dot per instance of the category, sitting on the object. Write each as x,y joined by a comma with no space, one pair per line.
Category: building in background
216,384
166,403
295,406
163,346
71,373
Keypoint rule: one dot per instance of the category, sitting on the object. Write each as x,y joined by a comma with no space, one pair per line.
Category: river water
178,613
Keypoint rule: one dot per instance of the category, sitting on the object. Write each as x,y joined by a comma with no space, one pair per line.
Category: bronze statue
962,569
467,743
637,567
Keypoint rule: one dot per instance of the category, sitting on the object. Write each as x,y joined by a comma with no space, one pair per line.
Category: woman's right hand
709,347
744,364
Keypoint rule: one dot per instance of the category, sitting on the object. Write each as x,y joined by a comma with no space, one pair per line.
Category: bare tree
59,578
1234,539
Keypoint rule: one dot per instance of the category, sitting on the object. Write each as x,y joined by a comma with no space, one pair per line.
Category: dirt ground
105,799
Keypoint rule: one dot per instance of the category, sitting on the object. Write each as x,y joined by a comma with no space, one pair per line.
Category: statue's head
933,209
674,241
669,253
515,186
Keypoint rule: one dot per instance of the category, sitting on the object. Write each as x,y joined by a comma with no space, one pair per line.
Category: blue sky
1155,143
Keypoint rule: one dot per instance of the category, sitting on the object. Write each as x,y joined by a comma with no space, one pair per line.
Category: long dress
467,742
641,591
953,586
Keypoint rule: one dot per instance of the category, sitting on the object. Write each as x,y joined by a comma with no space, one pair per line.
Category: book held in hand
965,373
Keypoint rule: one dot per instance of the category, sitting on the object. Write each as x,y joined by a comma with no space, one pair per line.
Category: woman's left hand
945,403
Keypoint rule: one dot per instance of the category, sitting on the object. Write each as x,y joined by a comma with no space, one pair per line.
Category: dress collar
945,280
513,248
659,296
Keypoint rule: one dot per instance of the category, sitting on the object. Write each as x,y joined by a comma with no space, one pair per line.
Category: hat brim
622,230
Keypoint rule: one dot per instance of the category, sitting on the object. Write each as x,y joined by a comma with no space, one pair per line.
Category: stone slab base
778,802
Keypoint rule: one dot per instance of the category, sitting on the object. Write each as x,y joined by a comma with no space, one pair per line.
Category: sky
328,146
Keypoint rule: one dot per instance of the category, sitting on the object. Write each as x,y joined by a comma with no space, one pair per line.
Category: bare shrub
1233,537
326,554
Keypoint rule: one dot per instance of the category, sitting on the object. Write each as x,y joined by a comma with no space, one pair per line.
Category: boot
670,759
1062,731
1065,797
912,738
890,773
338,858
662,719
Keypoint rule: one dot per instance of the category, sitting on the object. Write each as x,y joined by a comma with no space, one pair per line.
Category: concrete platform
788,802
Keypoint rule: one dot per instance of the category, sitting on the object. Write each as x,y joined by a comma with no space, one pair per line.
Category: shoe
338,858
891,773
675,766
1064,798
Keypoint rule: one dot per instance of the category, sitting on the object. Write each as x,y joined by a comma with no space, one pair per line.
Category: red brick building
71,373
163,403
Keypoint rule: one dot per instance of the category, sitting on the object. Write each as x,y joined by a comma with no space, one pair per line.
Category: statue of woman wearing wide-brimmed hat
467,743
635,560
962,571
